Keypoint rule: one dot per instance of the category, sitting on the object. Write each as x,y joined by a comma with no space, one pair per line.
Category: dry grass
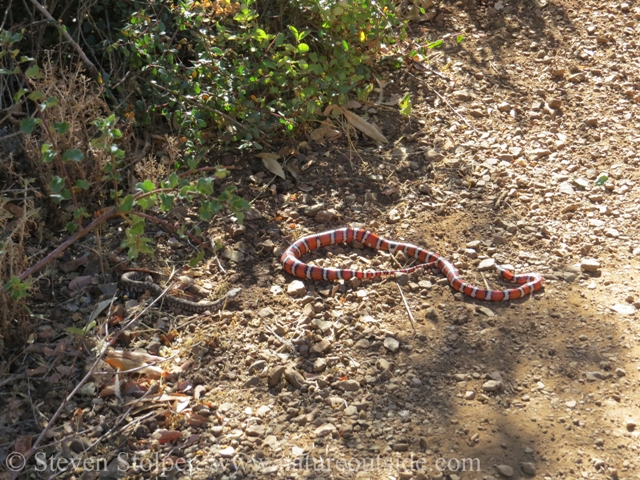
80,104
25,202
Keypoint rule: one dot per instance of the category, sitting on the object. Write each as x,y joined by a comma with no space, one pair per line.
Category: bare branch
89,64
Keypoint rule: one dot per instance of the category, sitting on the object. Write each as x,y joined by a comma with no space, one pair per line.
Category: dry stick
408,309
447,102
92,68
112,212
166,224
90,373
484,279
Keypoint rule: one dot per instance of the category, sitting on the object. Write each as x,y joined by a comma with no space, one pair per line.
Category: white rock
487,264
325,429
296,289
492,385
505,470
589,265
391,344
623,309
228,452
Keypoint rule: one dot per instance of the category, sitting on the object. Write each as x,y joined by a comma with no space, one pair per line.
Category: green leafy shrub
213,63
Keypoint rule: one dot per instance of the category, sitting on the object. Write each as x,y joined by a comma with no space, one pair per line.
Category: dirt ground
504,157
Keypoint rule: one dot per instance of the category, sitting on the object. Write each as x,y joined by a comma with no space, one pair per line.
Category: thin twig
89,374
286,343
166,224
447,102
92,68
484,279
112,212
431,70
408,309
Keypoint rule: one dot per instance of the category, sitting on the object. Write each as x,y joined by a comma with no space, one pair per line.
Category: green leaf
146,186
98,142
33,72
166,201
260,35
56,184
303,48
48,153
147,202
71,227
28,124
138,225
601,180
16,37
75,331
436,44
174,180
110,121
221,172
116,133
209,208
73,154
81,331
126,204
20,93
405,105
197,259
17,288
52,102
205,186
36,95
82,184
80,212
459,38
61,127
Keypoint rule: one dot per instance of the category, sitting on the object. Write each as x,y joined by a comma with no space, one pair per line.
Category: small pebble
505,470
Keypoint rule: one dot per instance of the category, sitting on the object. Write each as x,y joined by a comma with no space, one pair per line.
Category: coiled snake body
290,260
139,282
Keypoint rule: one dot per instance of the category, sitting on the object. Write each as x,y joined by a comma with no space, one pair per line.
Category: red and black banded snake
292,264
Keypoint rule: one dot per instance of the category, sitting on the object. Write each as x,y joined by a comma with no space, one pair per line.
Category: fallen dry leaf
353,104
365,127
79,283
325,130
196,420
35,372
126,364
199,392
181,404
191,440
270,161
15,210
294,170
330,109
137,356
168,436
23,444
